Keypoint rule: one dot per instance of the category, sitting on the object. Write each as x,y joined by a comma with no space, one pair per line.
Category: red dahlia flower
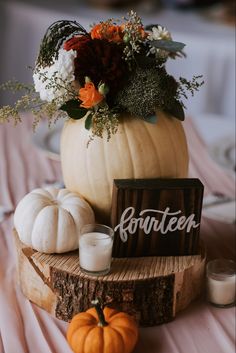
76,42
100,60
89,95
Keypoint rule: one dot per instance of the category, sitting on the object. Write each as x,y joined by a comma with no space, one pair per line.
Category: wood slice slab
152,289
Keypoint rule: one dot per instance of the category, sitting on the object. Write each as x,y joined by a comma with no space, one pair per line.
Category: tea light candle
221,282
95,249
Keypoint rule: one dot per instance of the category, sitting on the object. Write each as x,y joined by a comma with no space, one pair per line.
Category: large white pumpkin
49,220
138,150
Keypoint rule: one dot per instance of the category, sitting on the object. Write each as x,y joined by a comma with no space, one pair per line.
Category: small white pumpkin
49,219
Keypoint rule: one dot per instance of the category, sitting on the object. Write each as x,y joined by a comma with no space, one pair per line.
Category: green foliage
16,86
73,109
145,62
133,36
142,89
152,119
168,45
53,39
104,120
88,121
146,91
189,86
29,101
176,109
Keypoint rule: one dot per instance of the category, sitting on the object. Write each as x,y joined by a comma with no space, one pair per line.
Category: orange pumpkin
102,331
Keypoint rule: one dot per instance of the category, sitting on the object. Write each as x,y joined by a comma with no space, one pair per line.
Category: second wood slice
152,289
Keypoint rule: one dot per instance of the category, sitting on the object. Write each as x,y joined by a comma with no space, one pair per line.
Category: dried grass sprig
53,39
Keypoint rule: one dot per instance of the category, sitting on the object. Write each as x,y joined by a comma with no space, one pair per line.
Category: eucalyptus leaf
73,109
168,45
177,111
152,119
88,122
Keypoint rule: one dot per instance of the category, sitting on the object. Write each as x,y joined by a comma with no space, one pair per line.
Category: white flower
53,82
159,33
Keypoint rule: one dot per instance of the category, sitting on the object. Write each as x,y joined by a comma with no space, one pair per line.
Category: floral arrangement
118,66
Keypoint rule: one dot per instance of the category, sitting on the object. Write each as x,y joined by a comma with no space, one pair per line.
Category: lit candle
95,249
221,282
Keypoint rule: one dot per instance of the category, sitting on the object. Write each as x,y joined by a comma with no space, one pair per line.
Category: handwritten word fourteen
129,224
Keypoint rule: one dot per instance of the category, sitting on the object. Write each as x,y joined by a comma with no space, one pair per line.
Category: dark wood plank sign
156,217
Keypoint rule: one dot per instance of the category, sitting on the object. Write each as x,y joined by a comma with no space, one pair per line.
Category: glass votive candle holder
221,282
95,249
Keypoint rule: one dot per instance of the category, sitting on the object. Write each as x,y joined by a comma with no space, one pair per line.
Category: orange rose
89,95
96,31
112,33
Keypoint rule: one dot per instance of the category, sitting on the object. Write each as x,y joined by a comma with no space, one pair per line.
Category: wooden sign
156,217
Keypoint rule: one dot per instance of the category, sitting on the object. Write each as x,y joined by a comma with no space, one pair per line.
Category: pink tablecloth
25,328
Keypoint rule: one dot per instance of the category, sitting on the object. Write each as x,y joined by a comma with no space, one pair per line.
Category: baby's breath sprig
48,110
105,120
56,83
8,113
132,35
191,86
16,86
29,101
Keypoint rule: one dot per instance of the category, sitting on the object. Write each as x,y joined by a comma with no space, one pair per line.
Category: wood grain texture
151,289
158,194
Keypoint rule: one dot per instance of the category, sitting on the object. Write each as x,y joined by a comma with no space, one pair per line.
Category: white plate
223,152
219,207
48,139
219,135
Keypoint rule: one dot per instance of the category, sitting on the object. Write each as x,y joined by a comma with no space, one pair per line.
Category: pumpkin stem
102,322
